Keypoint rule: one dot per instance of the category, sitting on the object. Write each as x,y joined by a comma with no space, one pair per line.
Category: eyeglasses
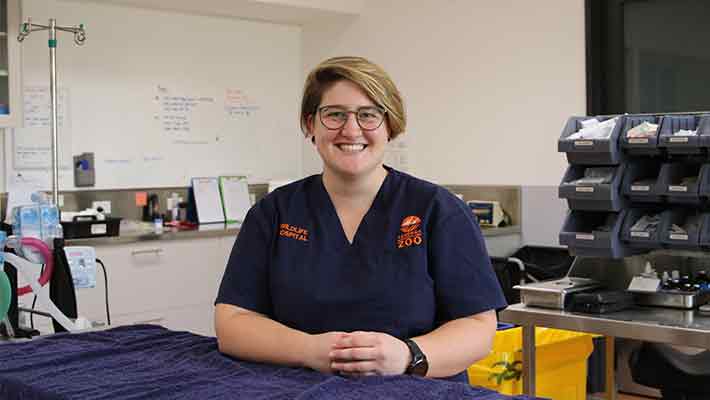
368,118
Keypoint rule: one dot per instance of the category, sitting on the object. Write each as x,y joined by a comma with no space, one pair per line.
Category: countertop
139,232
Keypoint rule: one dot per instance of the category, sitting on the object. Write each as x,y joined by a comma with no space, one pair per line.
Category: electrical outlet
106,205
60,200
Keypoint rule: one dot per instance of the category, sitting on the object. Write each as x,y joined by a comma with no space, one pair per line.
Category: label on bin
678,140
678,236
638,140
640,234
586,189
640,188
98,229
584,143
584,236
672,188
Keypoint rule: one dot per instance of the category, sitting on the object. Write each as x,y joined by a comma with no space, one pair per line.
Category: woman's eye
336,114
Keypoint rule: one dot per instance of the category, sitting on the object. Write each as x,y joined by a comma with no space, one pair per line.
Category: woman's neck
354,189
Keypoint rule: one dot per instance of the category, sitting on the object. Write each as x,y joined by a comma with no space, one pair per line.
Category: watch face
419,367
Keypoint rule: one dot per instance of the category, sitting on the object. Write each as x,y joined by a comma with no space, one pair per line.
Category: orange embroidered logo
293,232
410,223
411,232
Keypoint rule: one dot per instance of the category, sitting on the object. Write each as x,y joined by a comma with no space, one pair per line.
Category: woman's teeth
352,148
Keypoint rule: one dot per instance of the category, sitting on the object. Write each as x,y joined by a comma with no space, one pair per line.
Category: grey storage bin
595,234
683,144
680,181
640,146
590,194
648,239
690,223
590,151
641,181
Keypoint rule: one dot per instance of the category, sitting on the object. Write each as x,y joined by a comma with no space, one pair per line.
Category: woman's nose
351,127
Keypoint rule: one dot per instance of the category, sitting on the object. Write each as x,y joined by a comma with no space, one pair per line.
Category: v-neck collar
335,226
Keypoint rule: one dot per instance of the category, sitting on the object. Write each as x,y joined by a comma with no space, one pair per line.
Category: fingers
356,354
358,339
355,367
358,374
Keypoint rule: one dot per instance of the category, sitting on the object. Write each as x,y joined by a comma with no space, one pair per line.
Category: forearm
455,345
257,338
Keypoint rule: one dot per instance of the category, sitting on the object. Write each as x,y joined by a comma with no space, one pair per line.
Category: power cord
34,302
108,313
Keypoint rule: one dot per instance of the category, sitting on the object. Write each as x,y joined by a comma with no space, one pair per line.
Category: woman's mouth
351,148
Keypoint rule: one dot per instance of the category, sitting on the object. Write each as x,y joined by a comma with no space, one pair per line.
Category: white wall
488,84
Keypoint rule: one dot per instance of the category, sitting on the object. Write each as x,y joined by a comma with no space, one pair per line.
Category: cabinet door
10,80
156,275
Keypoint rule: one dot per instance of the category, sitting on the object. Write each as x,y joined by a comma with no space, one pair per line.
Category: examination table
152,362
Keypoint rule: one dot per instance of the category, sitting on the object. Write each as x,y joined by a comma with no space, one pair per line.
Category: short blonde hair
370,77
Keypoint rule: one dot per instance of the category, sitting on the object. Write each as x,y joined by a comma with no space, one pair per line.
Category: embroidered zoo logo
293,232
411,232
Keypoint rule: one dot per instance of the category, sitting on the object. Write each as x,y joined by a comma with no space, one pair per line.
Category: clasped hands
357,353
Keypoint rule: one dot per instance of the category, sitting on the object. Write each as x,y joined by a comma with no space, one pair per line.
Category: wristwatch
418,365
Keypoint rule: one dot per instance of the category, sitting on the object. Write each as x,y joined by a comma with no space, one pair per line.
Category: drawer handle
154,321
147,251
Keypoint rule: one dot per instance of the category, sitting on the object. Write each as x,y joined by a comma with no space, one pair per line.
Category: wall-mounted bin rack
681,228
645,146
641,228
640,182
680,182
593,188
585,150
595,234
671,139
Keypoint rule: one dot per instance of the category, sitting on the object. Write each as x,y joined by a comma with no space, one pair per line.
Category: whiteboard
161,97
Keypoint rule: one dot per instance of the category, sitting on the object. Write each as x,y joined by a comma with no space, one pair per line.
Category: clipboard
208,202
235,197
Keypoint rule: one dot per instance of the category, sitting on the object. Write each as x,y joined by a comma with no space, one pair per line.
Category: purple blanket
151,362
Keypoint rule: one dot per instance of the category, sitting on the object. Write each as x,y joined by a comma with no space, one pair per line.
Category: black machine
61,292
679,376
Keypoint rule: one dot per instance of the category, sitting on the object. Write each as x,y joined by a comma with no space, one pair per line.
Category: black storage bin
682,144
689,220
704,241
640,181
640,146
604,196
646,239
595,234
680,181
90,227
590,151
544,262
508,274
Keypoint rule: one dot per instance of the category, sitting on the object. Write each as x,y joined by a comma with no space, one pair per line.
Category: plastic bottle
38,220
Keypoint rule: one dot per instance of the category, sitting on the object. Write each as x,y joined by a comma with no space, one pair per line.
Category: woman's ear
309,124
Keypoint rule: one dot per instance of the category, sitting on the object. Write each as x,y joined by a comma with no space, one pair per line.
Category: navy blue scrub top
417,260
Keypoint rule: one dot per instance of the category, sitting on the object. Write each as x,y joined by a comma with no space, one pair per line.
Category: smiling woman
360,270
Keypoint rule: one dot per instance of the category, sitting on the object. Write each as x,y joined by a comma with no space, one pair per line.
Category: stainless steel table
653,324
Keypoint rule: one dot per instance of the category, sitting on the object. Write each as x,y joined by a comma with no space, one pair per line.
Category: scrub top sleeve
246,279
464,280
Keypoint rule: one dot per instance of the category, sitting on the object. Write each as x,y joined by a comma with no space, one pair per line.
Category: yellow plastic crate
561,364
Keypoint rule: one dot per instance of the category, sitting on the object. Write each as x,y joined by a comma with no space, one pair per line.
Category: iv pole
79,37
